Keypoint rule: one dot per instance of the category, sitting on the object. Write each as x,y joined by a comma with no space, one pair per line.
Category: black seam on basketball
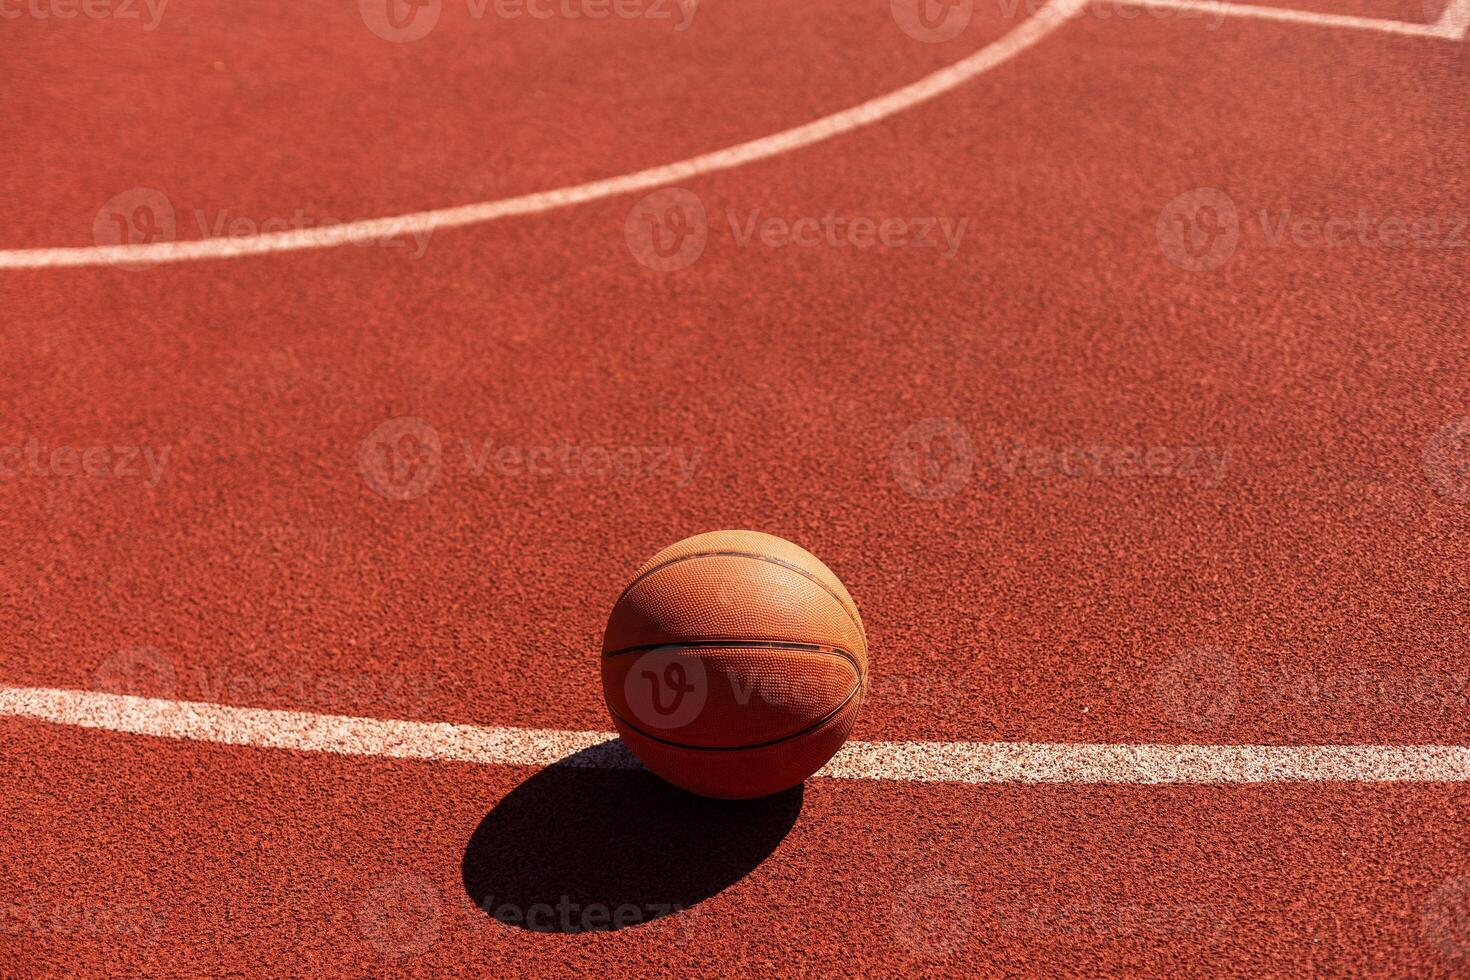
856,690
825,648
851,613
831,651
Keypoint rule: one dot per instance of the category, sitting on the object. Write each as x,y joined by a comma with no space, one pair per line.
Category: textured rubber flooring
1089,478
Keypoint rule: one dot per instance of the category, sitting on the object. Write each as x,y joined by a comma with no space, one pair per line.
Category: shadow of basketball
583,848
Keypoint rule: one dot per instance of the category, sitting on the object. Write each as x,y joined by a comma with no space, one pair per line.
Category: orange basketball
734,664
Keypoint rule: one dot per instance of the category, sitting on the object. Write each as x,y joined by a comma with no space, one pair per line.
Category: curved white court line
1454,23
1447,27
927,762
1046,20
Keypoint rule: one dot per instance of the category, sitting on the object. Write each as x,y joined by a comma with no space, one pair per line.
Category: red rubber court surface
1115,356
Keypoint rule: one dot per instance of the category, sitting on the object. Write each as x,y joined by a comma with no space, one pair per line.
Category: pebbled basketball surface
734,664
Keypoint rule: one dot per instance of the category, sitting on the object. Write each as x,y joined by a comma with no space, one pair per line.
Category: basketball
734,664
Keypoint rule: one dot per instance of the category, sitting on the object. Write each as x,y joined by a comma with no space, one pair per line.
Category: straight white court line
927,762
1447,27
1033,29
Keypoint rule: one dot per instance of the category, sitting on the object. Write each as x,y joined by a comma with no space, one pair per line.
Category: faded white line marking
928,762
1024,762
1217,8
1046,20
1454,22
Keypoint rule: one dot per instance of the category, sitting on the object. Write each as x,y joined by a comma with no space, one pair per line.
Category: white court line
1218,8
1046,20
927,762
1455,21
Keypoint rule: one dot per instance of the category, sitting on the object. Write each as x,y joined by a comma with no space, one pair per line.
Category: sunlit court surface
1080,388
